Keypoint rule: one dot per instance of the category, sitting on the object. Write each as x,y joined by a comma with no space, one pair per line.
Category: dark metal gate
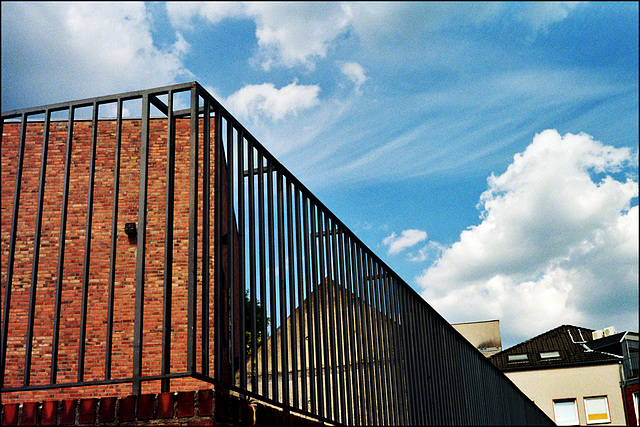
283,302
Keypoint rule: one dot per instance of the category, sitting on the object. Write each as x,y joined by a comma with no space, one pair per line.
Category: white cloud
288,34
72,50
375,21
354,72
429,251
275,104
181,14
540,15
407,239
558,243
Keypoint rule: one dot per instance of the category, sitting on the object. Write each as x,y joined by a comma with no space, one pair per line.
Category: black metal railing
283,302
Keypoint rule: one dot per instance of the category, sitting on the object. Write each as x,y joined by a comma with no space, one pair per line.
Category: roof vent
611,330
596,335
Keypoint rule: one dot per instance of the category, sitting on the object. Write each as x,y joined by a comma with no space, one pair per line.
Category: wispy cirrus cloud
407,239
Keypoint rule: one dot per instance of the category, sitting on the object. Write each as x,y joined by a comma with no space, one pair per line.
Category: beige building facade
575,375
483,335
555,390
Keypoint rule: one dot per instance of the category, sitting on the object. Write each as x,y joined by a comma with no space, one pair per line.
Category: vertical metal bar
319,341
454,382
231,273
410,350
12,248
206,214
426,385
284,354
382,377
168,245
252,270
403,347
347,325
369,322
263,276
406,348
313,353
241,266
428,389
415,318
392,348
437,383
323,291
389,348
358,354
466,383
346,336
398,352
383,349
338,304
282,291
301,299
87,246
358,318
36,252
217,258
192,270
292,296
330,287
385,324
456,411
373,286
138,330
272,283
114,244
418,346
62,241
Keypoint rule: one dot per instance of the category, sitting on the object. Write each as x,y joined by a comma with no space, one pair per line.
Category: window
549,355
635,406
566,412
597,409
517,357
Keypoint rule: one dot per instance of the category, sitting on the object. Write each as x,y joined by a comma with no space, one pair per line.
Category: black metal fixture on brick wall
131,230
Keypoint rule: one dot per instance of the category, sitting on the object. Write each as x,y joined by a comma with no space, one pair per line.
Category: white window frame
544,355
521,357
606,403
575,408
636,406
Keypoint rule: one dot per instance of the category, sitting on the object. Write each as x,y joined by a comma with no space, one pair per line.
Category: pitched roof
569,341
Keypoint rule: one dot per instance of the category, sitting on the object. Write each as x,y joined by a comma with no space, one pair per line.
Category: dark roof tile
568,340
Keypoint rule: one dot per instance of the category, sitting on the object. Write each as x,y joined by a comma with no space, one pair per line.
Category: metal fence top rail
105,99
216,106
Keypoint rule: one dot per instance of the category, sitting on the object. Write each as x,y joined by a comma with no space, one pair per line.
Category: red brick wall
627,392
125,272
204,407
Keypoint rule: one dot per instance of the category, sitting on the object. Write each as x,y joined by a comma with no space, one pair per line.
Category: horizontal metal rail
236,274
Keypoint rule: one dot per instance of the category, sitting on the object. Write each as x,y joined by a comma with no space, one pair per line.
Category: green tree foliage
260,317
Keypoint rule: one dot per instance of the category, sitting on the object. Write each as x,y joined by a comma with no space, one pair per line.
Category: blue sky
487,152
